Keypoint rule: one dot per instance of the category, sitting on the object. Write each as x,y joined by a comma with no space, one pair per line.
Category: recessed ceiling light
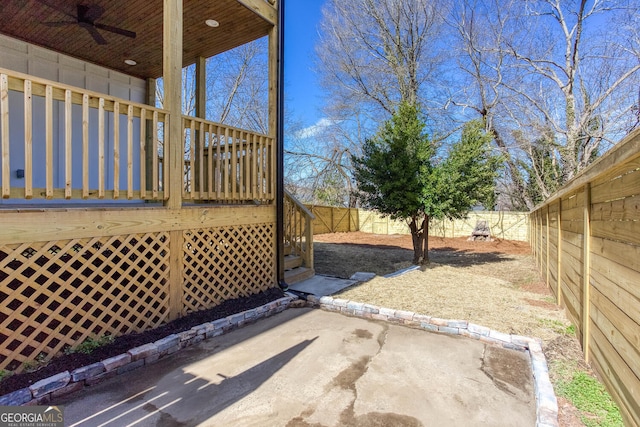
130,62
212,23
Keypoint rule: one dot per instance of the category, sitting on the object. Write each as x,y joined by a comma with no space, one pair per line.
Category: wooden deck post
172,75
173,142
278,242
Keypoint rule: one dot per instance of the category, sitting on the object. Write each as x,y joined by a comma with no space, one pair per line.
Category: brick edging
67,382
546,402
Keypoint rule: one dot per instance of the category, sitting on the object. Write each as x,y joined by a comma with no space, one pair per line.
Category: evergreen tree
400,176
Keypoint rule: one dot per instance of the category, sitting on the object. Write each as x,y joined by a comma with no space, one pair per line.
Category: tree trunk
420,236
425,237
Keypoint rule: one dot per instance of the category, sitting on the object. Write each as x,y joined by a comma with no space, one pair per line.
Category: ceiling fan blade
116,30
54,7
59,24
95,34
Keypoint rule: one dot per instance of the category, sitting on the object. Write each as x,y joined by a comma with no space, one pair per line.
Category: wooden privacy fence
586,241
504,225
330,219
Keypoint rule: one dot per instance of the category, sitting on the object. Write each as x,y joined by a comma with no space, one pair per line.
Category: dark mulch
122,344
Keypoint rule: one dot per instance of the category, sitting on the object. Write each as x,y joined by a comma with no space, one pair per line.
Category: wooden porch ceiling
37,22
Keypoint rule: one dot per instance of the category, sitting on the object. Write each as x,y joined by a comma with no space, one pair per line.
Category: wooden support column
172,75
273,81
278,242
586,271
559,257
173,142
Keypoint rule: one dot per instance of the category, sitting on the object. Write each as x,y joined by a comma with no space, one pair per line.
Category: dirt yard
494,284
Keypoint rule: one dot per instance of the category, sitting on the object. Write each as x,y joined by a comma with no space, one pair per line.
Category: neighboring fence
586,240
330,219
504,225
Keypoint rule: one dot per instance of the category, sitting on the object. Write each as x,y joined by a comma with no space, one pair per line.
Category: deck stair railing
298,240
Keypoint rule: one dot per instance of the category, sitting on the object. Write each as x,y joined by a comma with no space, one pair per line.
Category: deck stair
298,241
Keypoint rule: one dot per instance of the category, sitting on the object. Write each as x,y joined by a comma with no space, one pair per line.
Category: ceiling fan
86,17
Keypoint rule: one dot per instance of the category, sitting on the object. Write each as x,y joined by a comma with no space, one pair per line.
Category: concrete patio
306,367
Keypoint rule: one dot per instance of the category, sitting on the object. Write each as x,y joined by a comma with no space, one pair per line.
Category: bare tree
237,87
378,53
318,163
372,55
551,82
579,75
482,28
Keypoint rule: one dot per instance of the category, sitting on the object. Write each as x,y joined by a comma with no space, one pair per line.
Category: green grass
558,327
34,365
4,374
588,395
91,344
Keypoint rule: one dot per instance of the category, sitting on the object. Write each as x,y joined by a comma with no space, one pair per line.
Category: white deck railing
227,164
61,142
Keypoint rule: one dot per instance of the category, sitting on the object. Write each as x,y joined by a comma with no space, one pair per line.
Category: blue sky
302,93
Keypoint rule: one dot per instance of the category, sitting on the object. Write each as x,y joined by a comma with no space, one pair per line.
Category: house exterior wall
26,58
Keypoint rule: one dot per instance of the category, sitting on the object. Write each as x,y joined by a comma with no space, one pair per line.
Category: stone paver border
64,383
546,402
43,391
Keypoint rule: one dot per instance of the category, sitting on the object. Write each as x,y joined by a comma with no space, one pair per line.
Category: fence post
559,254
539,219
586,271
548,247
331,221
